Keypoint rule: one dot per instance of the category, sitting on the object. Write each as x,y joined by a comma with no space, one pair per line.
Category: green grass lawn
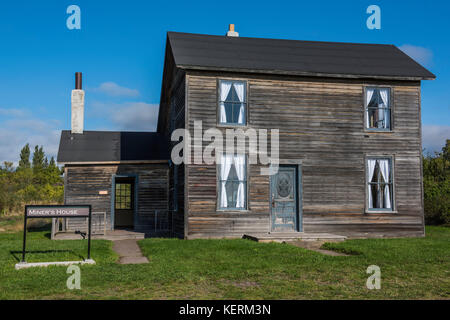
232,269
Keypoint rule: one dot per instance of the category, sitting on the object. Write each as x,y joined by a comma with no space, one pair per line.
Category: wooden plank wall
84,182
177,118
321,122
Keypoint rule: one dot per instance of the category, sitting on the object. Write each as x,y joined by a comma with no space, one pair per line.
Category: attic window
378,109
232,102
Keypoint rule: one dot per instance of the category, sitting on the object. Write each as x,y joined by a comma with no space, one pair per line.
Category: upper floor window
378,109
232,102
379,183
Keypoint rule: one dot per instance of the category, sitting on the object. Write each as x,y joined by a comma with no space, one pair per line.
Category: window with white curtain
378,109
232,182
232,102
379,184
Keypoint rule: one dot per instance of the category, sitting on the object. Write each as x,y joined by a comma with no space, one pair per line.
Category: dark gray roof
106,146
293,57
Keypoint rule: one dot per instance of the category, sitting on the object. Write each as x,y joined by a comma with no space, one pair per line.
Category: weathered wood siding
176,110
321,122
84,182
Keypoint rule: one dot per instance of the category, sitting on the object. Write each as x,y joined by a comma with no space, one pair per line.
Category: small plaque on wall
103,192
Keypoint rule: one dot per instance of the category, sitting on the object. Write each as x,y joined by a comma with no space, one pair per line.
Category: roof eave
306,74
111,162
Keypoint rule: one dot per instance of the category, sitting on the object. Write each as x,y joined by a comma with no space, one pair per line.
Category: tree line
31,182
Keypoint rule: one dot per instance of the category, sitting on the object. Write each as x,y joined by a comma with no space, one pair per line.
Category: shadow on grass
40,228
18,254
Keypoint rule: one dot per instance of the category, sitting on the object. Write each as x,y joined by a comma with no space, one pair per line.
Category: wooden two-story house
349,126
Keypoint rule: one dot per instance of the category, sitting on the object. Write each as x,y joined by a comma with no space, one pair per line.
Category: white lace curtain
369,94
225,167
239,87
371,166
384,111
225,87
384,168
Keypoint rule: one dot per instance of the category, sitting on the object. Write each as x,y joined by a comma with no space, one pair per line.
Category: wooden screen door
284,204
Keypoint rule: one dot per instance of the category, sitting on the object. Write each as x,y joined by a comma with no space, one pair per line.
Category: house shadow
40,228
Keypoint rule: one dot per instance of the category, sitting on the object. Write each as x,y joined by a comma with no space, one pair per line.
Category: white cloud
15,133
113,89
128,116
422,55
14,112
434,137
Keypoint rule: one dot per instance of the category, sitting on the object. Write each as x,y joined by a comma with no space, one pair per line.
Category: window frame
118,195
391,107
228,124
391,158
218,189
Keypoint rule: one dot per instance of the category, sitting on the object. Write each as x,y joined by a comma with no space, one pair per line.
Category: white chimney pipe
77,100
231,32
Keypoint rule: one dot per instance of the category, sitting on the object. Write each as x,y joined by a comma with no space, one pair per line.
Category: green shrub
436,185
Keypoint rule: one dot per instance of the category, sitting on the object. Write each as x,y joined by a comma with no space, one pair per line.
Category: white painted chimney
231,32
77,100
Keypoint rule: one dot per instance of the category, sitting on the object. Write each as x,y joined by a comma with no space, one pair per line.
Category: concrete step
292,236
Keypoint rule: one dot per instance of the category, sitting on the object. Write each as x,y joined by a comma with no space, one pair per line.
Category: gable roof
293,57
111,146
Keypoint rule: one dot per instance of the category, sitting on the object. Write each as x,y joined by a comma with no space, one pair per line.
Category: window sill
233,210
381,211
231,125
378,131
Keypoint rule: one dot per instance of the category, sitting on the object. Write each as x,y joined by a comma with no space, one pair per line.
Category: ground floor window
380,183
232,182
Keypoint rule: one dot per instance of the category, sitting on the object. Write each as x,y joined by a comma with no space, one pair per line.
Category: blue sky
120,50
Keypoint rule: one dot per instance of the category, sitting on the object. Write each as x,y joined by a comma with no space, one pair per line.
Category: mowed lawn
411,268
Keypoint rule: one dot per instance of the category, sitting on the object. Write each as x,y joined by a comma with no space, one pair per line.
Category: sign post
55,211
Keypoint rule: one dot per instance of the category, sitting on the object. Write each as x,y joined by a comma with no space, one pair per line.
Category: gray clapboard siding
84,182
321,122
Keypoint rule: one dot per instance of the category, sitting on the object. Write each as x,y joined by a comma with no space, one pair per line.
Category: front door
124,203
284,200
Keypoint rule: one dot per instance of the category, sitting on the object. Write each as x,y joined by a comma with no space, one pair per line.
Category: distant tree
46,162
38,158
8,166
52,162
24,161
446,155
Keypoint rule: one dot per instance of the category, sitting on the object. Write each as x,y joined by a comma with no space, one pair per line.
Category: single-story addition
350,145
